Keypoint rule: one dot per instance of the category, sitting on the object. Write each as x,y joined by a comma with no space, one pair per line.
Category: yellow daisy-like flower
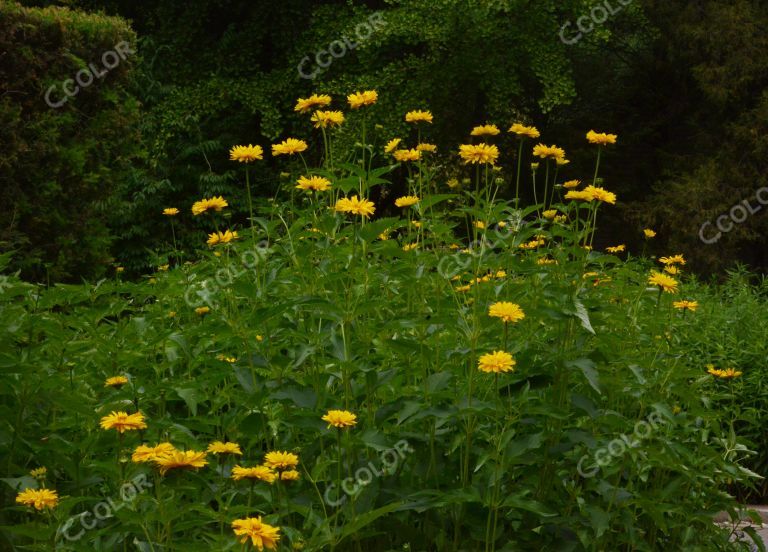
116,381
170,211
325,119
485,130
616,248
479,224
649,233
289,146
360,99
686,305
391,145
404,155
122,421
672,269
580,196
226,358
544,261
728,373
560,218
218,447
181,460
406,201
548,152
561,161
221,237
290,475
663,282
340,418
508,312
410,247
262,473
452,183
424,146
39,473
261,534
38,498
672,260
202,310
281,460
496,362
550,214
212,204
145,453
356,206
304,105
313,183
479,153
246,154
571,184
600,194
417,116
384,236
600,138
525,131
533,244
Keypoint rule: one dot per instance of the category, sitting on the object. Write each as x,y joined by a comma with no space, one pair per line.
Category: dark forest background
683,84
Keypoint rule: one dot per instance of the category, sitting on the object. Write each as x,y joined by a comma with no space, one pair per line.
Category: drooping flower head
571,184
496,362
313,183
525,131
417,116
246,154
38,498
181,460
122,421
485,130
341,419
303,105
391,145
289,146
406,201
261,534
261,473
360,99
508,312
219,447
212,204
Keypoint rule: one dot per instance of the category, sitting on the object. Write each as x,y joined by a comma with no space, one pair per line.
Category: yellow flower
384,236
39,498
289,146
582,196
221,237
560,218
534,166
485,130
479,224
316,183
550,214
217,447
664,282
601,194
262,535
571,184
649,233
116,381
170,211
281,460
424,146
340,418
262,473
500,274
214,203
480,153
533,244
172,314
122,421
178,459
406,201
391,145
453,183
226,358
360,99
671,269
289,475
548,152
145,453
417,116
674,259
307,104
246,154
543,261
686,305
496,362
403,155
163,268
356,206
202,310
508,312
119,269
616,249
259,338
39,473
561,161
601,139
524,131
410,247
324,119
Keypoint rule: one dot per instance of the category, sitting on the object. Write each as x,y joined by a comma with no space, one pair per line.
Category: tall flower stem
546,184
250,202
519,168
597,165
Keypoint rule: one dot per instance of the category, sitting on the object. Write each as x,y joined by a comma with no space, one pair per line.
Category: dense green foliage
60,164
